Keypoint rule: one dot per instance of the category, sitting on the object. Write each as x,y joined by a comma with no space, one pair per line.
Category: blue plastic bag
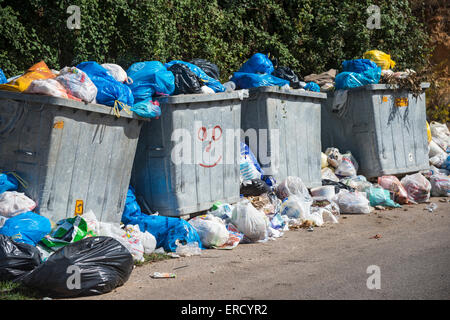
207,80
27,227
147,109
150,78
253,80
258,63
8,183
312,86
245,151
358,65
166,230
348,80
109,90
2,77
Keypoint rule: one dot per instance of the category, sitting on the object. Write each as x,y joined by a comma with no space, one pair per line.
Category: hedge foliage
310,36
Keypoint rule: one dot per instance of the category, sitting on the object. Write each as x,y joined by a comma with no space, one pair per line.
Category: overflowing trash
38,252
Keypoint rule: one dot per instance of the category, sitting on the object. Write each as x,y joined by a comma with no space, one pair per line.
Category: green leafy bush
309,36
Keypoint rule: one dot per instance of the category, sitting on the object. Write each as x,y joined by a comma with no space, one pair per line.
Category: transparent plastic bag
348,167
440,185
352,202
417,187
394,185
13,203
212,231
77,83
292,186
249,221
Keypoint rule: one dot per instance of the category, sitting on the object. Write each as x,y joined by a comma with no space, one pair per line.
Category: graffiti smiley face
209,157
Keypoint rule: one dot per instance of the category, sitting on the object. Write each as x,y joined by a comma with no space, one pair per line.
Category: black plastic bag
16,259
254,187
286,73
210,68
186,81
102,264
337,185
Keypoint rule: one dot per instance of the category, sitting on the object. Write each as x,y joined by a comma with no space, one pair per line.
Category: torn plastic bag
288,74
212,231
186,81
440,185
348,80
16,259
253,80
8,182
334,157
91,266
249,221
13,203
27,227
417,187
209,68
358,65
258,63
358,183
352,202
2,77
77,83
205,79
116,72
254,187
150,78
147,109
380,197
109,90
393,185
67,231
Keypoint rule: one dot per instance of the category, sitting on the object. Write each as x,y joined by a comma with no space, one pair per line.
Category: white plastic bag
13,203
334,157
417,187
435,150
293,186
295,207
212,231
49,87
348,166
440,134
77,83
352,202
249,221
207,90
116,71
440,185
248,169
328,174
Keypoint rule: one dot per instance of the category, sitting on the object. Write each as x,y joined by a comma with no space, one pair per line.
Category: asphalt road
413,256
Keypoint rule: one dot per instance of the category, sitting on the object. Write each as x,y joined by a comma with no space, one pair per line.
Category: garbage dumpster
282,128
74,156
189,158
383,126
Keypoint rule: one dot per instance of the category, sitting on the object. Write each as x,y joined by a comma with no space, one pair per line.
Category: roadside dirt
329,263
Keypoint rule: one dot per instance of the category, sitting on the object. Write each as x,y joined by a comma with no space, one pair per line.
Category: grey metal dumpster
74,156
189,158
384,127
287,125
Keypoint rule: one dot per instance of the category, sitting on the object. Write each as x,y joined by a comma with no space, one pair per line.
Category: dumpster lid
201,97
293,92
91,107
385,86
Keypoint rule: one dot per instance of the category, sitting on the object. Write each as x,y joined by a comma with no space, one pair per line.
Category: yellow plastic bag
382,59
428,132
38,71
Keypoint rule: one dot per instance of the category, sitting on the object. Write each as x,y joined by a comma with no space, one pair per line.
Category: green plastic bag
67,231
380,197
